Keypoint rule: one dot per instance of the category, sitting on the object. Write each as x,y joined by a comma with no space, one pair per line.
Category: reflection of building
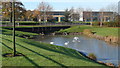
98,16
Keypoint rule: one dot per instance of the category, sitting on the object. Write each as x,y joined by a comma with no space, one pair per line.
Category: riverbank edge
80,53
108,64
108,39
93,36
100,62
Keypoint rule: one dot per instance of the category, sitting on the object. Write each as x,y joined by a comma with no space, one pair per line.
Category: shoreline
107,39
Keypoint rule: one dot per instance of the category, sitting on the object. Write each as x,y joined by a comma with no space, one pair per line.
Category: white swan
75,38
66,43
51,42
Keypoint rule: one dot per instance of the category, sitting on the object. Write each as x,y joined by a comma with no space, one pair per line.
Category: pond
104,52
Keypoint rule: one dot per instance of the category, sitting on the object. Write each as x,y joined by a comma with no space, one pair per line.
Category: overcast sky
63,4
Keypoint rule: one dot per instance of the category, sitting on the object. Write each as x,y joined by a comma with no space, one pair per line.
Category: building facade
53,15
86,16
58,15
91,16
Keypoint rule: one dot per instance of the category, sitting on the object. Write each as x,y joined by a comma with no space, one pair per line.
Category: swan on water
75,38
66,43
51,42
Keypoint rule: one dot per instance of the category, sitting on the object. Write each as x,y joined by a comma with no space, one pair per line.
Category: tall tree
112,7
101,16
13,21
0,10
91,14
45,9
7,10
36,15
28,15
67,15
80,12
74,15
119,7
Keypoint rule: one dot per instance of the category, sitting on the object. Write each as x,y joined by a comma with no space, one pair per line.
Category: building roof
98,11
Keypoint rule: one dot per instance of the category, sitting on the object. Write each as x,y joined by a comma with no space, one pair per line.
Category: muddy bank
100,62
109,39
65,33
89,33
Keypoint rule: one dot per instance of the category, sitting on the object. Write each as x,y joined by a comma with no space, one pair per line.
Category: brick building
90,16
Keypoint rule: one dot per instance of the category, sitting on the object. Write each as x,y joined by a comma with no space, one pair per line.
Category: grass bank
29,26
102,31
41,54
17,33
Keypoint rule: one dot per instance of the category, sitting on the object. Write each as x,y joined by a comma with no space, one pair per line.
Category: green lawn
29,26
41,54
17,33
103,31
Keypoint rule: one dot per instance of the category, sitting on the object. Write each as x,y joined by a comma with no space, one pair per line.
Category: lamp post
13,21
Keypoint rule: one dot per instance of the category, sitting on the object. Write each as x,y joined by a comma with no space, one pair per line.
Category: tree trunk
13,19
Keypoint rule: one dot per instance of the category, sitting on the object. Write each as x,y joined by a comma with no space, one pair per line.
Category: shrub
95,23
92,56
87,31
112,24
106,23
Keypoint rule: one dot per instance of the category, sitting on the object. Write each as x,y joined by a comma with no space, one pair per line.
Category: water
104,52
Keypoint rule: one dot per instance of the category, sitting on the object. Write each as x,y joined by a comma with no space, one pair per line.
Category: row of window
97,19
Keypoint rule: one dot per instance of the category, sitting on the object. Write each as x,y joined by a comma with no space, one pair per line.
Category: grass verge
17,33
103,31
41,54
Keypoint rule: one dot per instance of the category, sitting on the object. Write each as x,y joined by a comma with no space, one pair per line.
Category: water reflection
105,52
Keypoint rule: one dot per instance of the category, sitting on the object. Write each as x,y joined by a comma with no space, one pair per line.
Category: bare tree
80,12
112,7
119,7
91,16
74,15
0,3
101,16
36,15
45,9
